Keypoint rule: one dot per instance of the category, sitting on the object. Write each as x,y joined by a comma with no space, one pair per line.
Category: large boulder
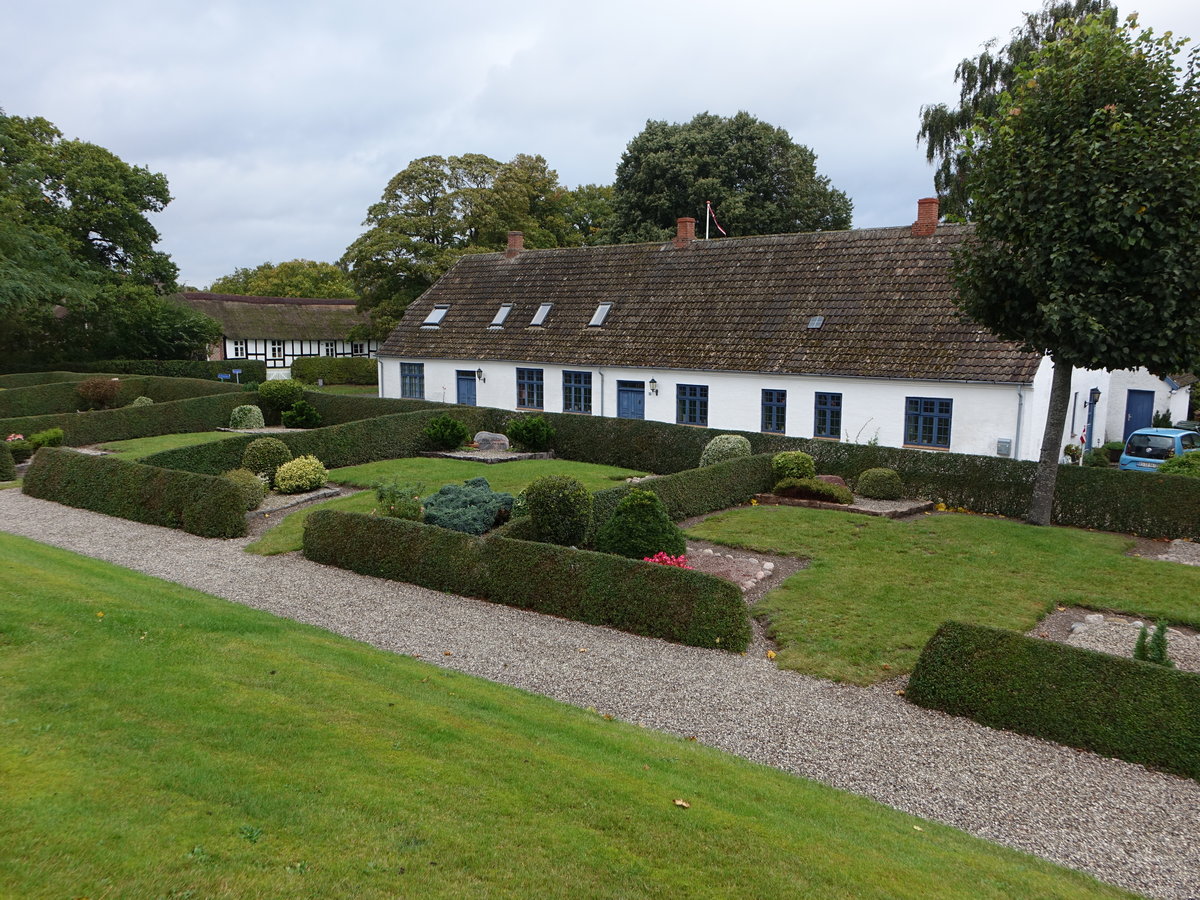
489,440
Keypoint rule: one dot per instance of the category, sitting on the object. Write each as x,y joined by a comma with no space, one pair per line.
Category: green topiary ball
253,488
263,456
304,473
246,416
792,464
276,396
880,484
142,401
723,447
640,527
560,509
813,489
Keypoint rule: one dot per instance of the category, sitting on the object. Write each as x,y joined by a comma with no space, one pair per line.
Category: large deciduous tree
759,180
1085,186
982,79
294,278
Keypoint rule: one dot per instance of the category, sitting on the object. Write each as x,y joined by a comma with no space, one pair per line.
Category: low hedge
1135,711
175,417
26,379
252,370
7,467
337,409
62,396
336,370
200,504
643,598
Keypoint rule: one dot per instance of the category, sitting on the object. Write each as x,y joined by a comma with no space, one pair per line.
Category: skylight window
539,317
600,315
816,322
436,315
501,315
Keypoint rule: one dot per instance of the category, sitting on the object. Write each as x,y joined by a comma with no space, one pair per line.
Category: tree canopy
1086,198
294,278
982,79
759,180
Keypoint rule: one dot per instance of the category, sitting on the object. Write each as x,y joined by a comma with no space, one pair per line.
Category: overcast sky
278,123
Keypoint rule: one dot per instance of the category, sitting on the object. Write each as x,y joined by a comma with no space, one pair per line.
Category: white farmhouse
841,336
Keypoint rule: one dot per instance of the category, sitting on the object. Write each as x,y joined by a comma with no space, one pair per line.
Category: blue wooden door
1139,411
466,388
631,399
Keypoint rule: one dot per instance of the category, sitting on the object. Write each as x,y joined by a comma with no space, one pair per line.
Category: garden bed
888,509
489,457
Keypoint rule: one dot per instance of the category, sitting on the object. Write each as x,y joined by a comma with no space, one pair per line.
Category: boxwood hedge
200,504
336,370
7,468
1114,706
643,598
252,370
61,396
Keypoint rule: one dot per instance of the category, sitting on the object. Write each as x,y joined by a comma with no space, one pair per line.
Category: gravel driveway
1118,821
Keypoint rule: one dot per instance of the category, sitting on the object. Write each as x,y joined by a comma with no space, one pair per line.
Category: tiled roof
278,318
737,304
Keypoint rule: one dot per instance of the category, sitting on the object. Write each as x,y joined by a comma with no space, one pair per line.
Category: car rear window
1150,446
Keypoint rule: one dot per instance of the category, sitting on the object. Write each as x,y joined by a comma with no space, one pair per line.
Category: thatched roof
277,318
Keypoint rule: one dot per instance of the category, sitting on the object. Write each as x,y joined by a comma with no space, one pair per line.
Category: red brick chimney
516,243
927,217
685,232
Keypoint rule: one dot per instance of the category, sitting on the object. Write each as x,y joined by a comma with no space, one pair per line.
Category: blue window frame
827,416
691,404
774,411
927,422
412,381
577,392
530,389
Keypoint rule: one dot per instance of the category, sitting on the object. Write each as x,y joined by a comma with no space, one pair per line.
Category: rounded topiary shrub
880,484
560,508
304,473
792,464
640,527
142,401
723,447
253,488
19,448
813,489
445,433
246,416
276,396
302,415
532,433
263,456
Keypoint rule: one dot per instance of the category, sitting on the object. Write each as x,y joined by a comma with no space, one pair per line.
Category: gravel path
1120,822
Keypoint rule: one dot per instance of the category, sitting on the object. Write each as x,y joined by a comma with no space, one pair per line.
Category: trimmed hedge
643,598
28,379
7,468
336,370
200,504
1135,711
252,370
62,396
337,409
175,417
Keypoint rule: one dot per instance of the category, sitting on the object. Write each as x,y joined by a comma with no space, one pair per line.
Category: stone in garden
769,566
760,576
1077,627
708,551
1094,619
489,440
833,479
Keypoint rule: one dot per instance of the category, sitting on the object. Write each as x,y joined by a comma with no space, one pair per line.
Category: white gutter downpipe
1020,418
600,372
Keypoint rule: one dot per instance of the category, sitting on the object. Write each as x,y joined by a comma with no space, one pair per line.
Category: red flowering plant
666,559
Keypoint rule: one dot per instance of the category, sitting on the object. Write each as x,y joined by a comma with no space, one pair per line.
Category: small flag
708,203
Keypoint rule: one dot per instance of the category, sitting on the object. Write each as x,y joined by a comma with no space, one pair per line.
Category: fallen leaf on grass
770,654
683,803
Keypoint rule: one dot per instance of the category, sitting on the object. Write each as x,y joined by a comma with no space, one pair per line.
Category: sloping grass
135,448
158,742
876,590
433,472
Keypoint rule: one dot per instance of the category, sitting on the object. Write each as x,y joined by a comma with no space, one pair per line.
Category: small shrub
1096,458
1072,452
1153,650
1160,420
51,437
640,528
246,416
276,396
263,456
400,501
813,489
445,433
880,484
531,433
723,447
471,508
792,464
142,401
1187,464
99,393
560,508
302,415
253,488
19,448
304,473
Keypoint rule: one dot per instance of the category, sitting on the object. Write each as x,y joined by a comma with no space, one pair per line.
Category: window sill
530,408
821,437
925,447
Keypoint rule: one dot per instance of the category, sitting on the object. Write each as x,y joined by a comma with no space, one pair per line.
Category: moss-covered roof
276,318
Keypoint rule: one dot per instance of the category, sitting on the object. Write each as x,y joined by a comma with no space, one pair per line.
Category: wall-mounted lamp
653,387
479,374
1094,396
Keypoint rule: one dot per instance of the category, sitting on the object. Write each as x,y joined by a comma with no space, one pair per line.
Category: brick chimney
516,243
927,217
685,232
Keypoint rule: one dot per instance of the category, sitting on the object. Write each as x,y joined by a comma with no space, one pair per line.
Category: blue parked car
1148,447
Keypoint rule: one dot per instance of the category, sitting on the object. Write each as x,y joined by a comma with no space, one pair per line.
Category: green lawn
158,742
136,448
433,473
876,589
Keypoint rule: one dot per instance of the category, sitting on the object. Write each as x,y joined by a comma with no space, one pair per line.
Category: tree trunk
1042,505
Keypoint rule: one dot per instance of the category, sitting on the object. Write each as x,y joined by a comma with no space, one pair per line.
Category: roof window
501,315
434,319
816,322
600,315
539,317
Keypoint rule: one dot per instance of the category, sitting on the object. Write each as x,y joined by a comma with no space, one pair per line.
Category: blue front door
466,388
631,399
1139,411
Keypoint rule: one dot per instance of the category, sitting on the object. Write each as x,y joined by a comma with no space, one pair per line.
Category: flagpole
707,216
